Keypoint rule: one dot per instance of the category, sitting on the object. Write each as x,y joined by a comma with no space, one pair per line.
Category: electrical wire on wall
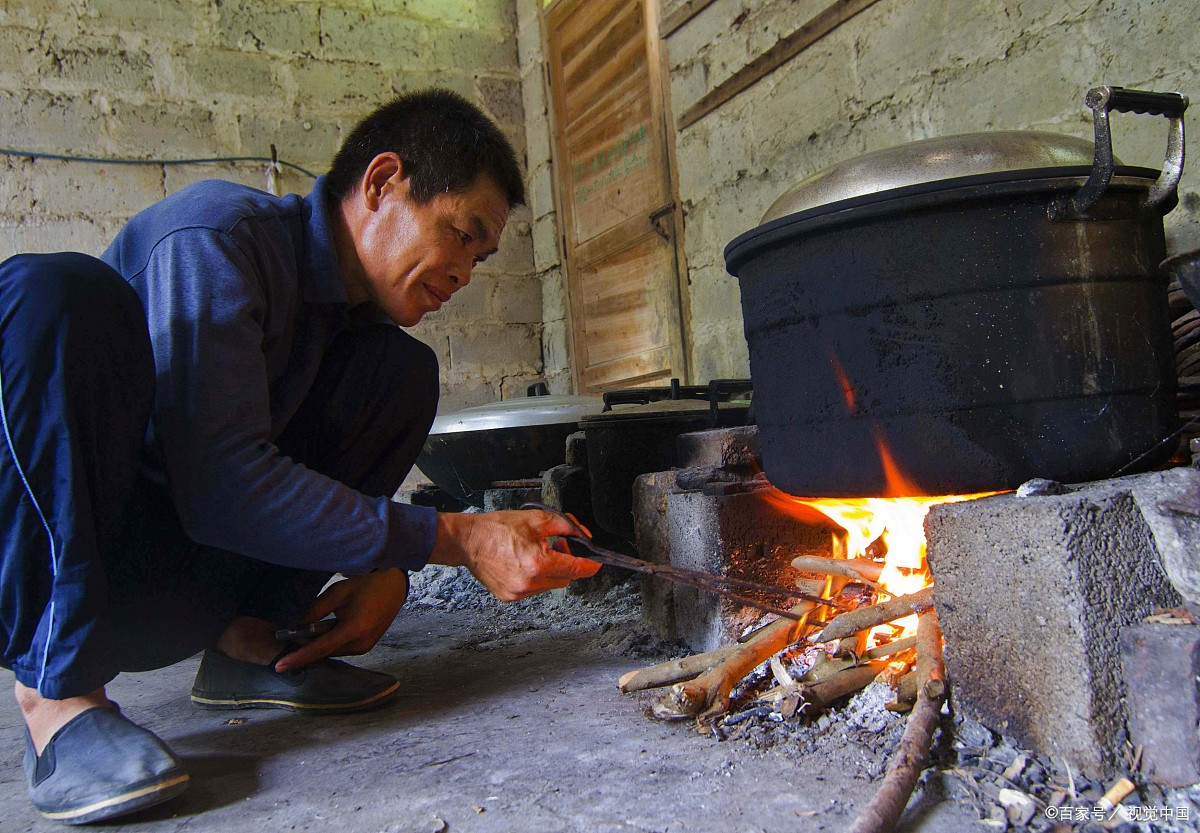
274,165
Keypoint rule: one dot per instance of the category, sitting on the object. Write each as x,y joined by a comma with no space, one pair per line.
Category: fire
897,522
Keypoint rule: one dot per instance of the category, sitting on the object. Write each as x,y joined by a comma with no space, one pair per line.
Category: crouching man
202,427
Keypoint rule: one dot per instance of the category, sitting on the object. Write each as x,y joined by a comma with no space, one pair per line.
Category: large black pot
975,330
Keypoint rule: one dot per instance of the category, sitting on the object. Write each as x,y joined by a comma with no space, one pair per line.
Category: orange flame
897,520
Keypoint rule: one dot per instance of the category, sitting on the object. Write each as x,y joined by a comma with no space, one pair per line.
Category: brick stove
1041,596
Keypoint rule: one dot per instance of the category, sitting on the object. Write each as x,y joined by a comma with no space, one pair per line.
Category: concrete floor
507,722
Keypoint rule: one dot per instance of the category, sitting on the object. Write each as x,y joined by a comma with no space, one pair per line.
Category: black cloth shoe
325,687
98,766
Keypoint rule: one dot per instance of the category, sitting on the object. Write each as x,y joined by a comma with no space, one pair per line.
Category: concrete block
545,243
554,296
42,234
228,71
167,130
494,15
513,348
529,44
275,28
460,80
460,392
447,48
310,143
104,64
1032,594
1169,503
541,191
437,13
515,251
358,84
501,97
98,190
175,21
556,351
517,300
467,304
720,447
740,536
653,539
20,54
40,120
390,39
1162,667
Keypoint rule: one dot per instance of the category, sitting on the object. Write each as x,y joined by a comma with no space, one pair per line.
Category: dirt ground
509,720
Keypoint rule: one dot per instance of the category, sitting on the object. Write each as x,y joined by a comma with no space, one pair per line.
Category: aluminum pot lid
518,413
662,410
933,160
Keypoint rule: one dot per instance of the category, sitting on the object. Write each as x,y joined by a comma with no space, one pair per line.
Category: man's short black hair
444,141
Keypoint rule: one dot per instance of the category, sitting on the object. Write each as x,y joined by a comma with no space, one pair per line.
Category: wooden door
616,193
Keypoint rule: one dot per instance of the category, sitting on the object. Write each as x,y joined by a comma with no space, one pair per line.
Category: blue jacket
243,295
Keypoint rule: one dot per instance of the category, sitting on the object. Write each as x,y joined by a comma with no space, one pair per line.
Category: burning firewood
881,815
674,671
824,692
856,569
929,657
871,616
707,696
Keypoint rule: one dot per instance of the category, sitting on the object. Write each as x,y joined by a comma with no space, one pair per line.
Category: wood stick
929,662
824,692
844,682
890,648
873,615
906,694
673,671
885,808
859,569
707,696
929,647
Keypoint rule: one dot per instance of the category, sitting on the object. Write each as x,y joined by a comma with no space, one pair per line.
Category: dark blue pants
96,574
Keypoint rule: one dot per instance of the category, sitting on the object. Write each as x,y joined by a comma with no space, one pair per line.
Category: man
204,427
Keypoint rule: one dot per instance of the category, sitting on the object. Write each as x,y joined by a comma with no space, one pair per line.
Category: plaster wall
172,79
900,71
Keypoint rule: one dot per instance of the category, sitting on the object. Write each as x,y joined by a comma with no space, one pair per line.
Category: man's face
414,256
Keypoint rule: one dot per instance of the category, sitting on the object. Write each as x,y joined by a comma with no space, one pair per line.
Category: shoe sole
218,703
119,805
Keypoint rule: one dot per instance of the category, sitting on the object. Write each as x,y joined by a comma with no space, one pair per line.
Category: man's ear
384,173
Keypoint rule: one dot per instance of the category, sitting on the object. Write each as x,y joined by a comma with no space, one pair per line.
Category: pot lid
518,413
662,410
933,160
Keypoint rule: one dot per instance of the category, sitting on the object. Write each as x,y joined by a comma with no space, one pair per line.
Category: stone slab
1033,594
1162,666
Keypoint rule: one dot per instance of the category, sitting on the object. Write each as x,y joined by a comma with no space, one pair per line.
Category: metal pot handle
1102,100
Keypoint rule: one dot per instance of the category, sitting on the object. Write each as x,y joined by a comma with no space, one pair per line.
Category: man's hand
365,606
508,551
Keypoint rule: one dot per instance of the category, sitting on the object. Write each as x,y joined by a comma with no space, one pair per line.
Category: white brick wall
192,78
902,70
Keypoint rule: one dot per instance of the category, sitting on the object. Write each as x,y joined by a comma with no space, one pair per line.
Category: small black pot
625,443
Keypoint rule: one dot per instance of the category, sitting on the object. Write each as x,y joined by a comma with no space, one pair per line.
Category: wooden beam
783,51
681,16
